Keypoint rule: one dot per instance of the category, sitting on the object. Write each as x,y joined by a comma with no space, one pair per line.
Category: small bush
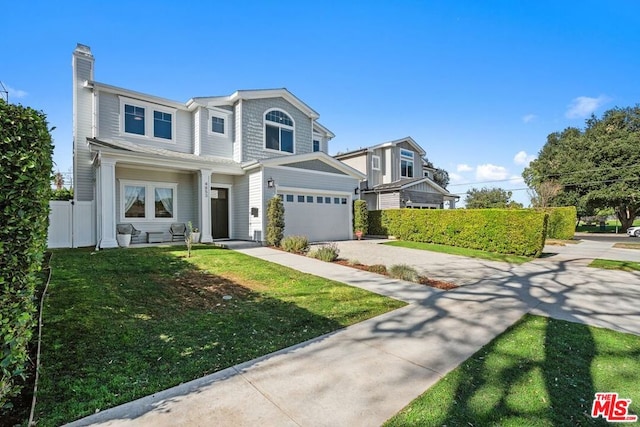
295,244
328,253
353,262
360,216
404,272
275,221
378,268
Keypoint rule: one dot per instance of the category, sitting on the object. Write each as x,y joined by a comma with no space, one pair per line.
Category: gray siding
423,197
315,165
186,196
372,201
83,170
213,144
109,125
241,208
253,112
237,132
291,177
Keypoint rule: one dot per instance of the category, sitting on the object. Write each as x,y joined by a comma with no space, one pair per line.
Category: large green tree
490,198
597,168
440,176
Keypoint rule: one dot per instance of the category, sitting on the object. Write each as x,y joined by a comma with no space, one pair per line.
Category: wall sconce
356,191
271,183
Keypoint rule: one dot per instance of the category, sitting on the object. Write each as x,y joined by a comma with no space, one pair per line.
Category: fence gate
71,224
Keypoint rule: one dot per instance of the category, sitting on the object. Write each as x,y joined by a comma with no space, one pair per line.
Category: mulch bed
434,283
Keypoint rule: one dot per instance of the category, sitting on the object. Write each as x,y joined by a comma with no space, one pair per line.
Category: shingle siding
253,112
241,208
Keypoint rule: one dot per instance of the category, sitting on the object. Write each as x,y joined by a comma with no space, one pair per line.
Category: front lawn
454,250
122,324
540,372
615,265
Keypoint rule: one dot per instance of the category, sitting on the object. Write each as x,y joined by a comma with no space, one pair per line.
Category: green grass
540,372
122,324
615,265
454,250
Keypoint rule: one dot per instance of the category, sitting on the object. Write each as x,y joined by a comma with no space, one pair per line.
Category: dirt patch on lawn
198,289
434,283
627,246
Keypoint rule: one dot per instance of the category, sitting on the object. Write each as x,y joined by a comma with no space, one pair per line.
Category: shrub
360,217
507,231
562,222
353,262
25,179
62,194
275,221
328,253
295,244
378,268
403,272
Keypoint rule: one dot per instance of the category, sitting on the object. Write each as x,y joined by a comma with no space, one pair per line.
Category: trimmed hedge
506,231
360,216
562,222
25,179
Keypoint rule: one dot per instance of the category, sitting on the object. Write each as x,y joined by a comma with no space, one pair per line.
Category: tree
440,176
542,195
490,198
598,167
275,221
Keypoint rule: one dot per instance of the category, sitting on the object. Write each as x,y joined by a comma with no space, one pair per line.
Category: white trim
149,109
149,213
220,114
280,126
289,168
230,205
373,163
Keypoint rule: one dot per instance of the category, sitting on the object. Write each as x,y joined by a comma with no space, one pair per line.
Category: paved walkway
364,374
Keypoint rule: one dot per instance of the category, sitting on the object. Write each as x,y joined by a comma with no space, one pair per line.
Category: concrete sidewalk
364,374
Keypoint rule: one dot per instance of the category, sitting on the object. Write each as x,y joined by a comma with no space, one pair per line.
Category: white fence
71,224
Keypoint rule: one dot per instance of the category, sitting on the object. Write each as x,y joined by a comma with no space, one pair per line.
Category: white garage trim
280,189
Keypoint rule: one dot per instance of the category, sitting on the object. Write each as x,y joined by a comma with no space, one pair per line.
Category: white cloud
529,118
522,158
15,93
583,106
489,172
463,168
455,178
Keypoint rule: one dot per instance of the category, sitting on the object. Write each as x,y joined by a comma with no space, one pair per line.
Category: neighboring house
397,177
215,161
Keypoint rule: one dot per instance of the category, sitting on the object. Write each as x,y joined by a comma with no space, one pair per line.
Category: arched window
278,131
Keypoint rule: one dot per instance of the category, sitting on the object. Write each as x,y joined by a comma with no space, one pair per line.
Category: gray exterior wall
292,177
240,229
186,197
389,201
252,135
213,144
83,128
109,125
315,165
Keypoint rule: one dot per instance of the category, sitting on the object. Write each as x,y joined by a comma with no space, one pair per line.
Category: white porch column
106,196
204,205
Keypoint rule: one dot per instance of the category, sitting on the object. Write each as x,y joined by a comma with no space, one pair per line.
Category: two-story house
214,161
397,176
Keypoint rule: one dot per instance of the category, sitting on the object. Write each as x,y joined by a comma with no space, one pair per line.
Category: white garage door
320,217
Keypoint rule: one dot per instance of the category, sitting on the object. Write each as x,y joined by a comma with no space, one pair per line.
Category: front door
219,213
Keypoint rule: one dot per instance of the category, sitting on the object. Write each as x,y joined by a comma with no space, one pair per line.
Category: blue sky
479,85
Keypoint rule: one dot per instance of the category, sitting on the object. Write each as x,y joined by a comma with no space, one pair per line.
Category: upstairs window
278,131
316,145
162,125
375,163
406,163
133,119
147,120
217,125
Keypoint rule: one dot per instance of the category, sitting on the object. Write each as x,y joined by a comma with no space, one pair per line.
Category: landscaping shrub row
25,175
507,231
562,222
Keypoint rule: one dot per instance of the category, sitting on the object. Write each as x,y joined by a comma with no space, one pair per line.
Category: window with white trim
217,124
316,145
148,201
278,131
375,163
406,163
147,120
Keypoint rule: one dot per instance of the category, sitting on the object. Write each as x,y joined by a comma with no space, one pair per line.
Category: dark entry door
219,213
